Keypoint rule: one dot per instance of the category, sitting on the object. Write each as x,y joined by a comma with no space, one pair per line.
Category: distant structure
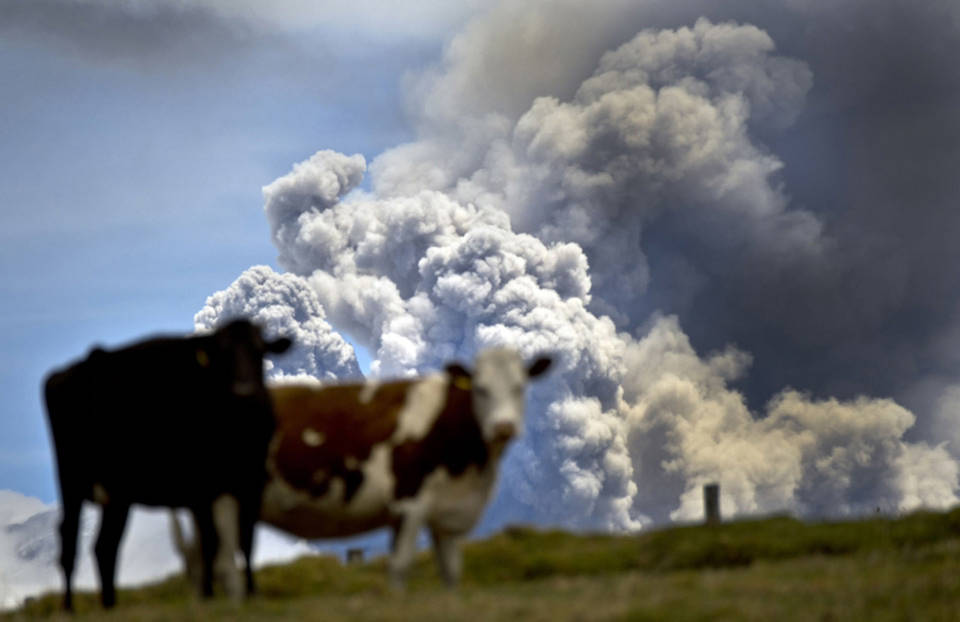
354,556
711,503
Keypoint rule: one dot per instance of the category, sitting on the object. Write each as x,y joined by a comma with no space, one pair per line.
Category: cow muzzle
503,431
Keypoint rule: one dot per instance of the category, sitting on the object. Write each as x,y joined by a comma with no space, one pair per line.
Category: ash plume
721,308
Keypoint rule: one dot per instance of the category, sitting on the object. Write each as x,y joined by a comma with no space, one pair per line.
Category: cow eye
482,392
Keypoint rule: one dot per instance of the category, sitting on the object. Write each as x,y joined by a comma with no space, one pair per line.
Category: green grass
771,569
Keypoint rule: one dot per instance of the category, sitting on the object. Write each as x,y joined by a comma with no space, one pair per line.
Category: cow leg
69,529
248,521
446,546
209,543
226,518
404,548
112,522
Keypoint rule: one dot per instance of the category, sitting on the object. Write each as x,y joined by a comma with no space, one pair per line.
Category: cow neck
454,443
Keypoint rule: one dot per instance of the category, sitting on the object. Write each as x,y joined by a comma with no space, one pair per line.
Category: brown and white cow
407,454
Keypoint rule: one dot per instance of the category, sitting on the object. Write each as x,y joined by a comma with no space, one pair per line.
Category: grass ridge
501,566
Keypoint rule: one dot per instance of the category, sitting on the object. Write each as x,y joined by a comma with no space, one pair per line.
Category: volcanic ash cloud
626,429
663,130
522,226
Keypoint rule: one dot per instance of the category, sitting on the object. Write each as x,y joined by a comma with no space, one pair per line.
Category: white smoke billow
521,223
285,305
819,458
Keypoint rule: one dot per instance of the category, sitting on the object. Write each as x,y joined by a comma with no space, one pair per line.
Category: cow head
498,388
236,349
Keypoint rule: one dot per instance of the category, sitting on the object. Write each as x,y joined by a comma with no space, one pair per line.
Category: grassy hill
770,569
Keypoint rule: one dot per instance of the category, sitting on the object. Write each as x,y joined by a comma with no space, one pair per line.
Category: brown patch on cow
348,427
454,442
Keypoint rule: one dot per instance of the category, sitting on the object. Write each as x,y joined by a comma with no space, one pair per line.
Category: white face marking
423,404
312,438
499,392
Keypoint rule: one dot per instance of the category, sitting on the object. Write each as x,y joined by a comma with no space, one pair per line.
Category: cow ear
278,346
459,376
203,357
539,366
456,369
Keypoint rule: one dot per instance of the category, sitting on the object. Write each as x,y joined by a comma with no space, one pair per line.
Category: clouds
818,458
159,35
838,159
664,124
869,157
626,430
369,18
138,34
635,215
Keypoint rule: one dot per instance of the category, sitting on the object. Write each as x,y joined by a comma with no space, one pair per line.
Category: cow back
157,423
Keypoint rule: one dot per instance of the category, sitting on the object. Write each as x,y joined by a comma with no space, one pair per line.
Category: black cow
170,421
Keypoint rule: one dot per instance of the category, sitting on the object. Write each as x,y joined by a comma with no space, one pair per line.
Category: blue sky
131,175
